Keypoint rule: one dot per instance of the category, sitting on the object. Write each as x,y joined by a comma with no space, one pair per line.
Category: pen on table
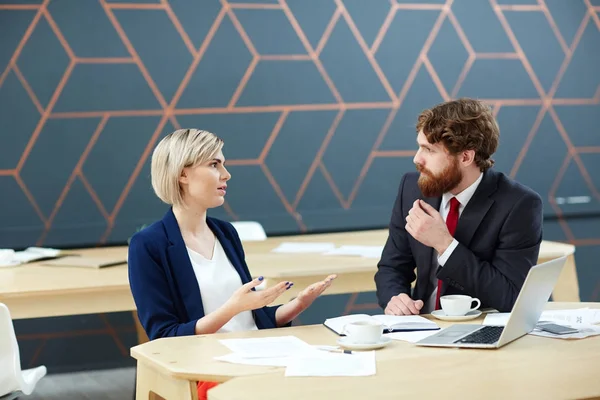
337,351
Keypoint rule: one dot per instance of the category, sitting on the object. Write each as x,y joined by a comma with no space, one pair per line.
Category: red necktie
451,222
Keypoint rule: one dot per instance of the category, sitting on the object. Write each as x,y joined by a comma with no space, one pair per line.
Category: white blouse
218,280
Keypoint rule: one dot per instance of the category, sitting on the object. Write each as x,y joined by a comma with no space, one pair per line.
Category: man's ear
467,157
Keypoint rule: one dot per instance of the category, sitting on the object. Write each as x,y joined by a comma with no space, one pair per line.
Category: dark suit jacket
163,283
499,234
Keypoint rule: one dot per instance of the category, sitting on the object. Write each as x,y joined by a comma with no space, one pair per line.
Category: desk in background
34,290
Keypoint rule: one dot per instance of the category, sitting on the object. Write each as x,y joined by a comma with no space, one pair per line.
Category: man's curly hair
462,124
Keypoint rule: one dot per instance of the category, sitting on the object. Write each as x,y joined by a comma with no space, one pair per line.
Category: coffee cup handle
344,330
478,304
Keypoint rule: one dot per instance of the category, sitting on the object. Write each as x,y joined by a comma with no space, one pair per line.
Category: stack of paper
587,316
329,249
299,358
293,247
9,257
582,319
363,251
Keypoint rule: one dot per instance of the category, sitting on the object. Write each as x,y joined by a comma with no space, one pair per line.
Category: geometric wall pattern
316,101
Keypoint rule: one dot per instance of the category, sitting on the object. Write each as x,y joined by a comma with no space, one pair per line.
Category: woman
187,272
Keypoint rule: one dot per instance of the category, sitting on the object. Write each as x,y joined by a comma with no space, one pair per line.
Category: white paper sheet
268,347
584,331
587,316
575,316
9,257
411,337
362,251
304,247
237,358
333,364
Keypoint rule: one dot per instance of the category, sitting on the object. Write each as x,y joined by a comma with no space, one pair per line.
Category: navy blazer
163,283
499,235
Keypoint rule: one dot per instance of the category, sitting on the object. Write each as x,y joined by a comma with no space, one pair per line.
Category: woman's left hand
310,293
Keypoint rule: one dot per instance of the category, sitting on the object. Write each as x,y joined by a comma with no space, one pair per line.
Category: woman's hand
310,293
246,299
291,310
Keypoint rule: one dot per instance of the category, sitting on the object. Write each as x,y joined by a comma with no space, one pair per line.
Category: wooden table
34,290
531,367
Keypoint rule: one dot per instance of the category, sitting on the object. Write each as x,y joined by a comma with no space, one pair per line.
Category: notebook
391,323
86,261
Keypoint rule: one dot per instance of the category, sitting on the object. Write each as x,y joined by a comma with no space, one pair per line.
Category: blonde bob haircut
176,151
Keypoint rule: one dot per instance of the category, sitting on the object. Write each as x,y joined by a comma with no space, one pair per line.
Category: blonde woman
187,272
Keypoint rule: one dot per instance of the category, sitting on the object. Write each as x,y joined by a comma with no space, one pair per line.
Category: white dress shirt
463,198
218,280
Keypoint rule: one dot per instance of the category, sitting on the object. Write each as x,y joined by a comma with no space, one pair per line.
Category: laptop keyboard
485,335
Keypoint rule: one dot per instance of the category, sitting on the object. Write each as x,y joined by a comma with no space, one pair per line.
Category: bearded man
458,226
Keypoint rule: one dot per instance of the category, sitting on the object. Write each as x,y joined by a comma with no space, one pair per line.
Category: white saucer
347,344
439,314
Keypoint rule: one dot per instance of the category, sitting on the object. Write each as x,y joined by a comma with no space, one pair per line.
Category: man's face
440,171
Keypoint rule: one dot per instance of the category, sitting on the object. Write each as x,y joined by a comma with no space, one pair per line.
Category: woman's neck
192,221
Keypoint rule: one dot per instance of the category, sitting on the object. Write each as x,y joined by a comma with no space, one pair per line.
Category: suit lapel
476,209
181,268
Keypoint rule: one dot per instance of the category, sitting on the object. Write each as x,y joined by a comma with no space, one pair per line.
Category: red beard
436,185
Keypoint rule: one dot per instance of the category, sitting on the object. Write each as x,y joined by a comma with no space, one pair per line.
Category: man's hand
403,305
426,225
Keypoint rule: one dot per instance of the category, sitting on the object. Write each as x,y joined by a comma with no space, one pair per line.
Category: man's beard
436,185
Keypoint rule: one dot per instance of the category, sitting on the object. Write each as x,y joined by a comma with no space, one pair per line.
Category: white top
218,280
463,198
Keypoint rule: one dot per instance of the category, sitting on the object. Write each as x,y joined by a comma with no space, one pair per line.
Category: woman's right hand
246,299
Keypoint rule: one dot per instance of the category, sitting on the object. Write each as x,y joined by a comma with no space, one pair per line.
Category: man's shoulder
410,180
509,187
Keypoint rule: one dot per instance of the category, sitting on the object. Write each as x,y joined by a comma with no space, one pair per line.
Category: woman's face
204,185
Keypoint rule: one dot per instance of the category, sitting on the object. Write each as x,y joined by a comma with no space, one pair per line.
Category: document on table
268,347
582,319
237,358
583,332
588,316
303,247
333,364
363,251
300,358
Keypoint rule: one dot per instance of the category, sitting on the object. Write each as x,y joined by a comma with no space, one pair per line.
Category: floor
113,384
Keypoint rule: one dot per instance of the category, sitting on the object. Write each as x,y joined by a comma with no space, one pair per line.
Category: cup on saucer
363,332
457,305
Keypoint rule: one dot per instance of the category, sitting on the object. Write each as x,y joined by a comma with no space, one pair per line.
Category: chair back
10,361
249,231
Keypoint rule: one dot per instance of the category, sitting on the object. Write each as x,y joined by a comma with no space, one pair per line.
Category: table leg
141,333
152,385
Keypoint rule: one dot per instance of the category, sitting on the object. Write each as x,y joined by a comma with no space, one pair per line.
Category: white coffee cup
457,304
363,332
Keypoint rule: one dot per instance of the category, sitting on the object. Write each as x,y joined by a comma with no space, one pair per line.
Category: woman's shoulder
152,236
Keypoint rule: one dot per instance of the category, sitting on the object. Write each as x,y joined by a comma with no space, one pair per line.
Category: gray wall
316,100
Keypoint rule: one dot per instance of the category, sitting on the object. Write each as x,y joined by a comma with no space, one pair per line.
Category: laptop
525,314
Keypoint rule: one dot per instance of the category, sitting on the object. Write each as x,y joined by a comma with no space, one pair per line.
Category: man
464,227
